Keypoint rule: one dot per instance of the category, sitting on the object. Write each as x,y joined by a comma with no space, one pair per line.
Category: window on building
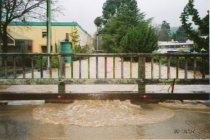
44,33
29,49
44,49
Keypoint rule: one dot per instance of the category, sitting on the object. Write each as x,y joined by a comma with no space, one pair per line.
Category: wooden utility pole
48,31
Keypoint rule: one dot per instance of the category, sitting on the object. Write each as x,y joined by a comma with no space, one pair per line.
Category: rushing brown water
94,113
111,120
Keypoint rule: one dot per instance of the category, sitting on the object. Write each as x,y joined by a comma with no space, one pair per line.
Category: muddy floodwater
100,120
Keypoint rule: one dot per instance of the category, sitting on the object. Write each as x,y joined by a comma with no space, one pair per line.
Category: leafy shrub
82,49
141,39
40,62
54,62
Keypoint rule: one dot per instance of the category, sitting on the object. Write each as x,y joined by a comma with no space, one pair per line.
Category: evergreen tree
164,33
119,20
142,38
180,35
97,38
201,35
98,22
118,16
74,37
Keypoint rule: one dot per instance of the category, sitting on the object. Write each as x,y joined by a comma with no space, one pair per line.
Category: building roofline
32,23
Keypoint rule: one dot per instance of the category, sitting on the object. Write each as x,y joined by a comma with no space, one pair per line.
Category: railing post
41,66
72,69
5,66
61,84
50,66
80,68
177,67
61,67
14,66
152,68
122,67
24,66
32,67
194,67
203,67
88,67
61,87
186,68
114,68
168,67
160,71
105,67
96,67
141,75
131,67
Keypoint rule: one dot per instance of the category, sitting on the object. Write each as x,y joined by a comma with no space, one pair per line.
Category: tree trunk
4,40
4,43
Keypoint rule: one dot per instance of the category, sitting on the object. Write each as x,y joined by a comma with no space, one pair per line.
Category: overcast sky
85,11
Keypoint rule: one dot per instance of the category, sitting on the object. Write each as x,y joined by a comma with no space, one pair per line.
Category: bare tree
19,10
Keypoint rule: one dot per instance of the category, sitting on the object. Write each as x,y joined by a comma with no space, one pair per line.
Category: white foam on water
186,105
94,113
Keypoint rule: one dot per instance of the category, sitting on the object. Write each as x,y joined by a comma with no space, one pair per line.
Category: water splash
187,104
94,113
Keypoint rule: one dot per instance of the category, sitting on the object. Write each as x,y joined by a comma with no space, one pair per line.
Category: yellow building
35,32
